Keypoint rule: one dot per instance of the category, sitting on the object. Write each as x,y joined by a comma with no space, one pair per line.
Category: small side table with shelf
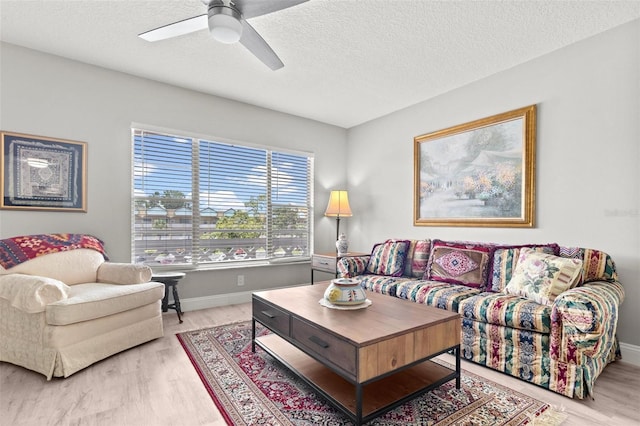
328,262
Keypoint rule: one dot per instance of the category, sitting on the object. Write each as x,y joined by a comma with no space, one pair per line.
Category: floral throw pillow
542,277
388,258
505,259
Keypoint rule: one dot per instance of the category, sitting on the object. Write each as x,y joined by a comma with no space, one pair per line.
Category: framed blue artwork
42,173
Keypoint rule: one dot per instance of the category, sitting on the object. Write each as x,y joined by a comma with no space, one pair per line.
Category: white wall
587,190
51,96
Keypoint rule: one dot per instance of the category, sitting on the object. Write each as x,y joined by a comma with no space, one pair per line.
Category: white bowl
345,291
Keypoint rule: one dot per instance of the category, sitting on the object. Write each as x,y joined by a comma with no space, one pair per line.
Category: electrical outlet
240,280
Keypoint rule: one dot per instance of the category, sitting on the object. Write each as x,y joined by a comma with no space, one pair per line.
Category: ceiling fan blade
253,8
176,29
256,45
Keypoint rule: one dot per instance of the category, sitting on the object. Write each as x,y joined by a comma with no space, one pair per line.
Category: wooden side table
328,262
170,281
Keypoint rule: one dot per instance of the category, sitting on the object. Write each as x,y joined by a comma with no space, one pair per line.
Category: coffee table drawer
275,319
325,345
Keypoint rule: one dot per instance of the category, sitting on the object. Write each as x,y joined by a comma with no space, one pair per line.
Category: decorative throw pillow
505,259
417,258
459,263
542,277
388,258
596,265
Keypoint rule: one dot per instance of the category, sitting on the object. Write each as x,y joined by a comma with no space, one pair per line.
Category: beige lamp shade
338,205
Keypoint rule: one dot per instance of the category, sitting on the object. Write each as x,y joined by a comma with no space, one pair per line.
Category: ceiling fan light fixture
224,24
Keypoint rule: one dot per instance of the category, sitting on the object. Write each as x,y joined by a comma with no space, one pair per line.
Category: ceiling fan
226,20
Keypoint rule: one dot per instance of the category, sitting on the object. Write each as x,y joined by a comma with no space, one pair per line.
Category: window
200,202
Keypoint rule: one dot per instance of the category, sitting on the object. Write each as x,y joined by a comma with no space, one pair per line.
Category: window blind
201,202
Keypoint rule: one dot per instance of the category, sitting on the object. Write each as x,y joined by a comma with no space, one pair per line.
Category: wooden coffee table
366,361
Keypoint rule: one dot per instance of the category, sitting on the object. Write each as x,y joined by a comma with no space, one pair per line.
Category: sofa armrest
584,321
352,266
31,293
124,273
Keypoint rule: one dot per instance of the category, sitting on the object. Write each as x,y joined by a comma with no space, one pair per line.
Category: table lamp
338,207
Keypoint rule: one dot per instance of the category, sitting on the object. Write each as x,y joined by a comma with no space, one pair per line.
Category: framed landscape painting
479,174
41,173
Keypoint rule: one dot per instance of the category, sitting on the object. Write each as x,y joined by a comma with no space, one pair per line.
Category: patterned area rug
254,389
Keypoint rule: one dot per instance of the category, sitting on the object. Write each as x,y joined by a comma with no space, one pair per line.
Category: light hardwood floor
155,384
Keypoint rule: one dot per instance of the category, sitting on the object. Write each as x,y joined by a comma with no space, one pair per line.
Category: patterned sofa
540,312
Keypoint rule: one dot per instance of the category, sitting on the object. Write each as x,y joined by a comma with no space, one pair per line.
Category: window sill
230,265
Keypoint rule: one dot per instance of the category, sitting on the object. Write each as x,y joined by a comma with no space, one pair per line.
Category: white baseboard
630,353
197,303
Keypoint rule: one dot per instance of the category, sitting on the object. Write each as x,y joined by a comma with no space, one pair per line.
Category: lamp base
342,245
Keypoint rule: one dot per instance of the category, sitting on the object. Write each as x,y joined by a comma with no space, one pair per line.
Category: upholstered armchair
64,307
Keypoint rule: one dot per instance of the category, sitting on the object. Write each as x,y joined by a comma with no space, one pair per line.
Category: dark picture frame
480,173
42,173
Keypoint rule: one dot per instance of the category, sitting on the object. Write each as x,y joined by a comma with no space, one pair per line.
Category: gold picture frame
42,173
480,173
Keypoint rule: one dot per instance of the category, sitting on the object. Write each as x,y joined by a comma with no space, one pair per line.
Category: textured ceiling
346,61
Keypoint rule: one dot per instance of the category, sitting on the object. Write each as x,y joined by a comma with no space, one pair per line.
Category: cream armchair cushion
95,300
